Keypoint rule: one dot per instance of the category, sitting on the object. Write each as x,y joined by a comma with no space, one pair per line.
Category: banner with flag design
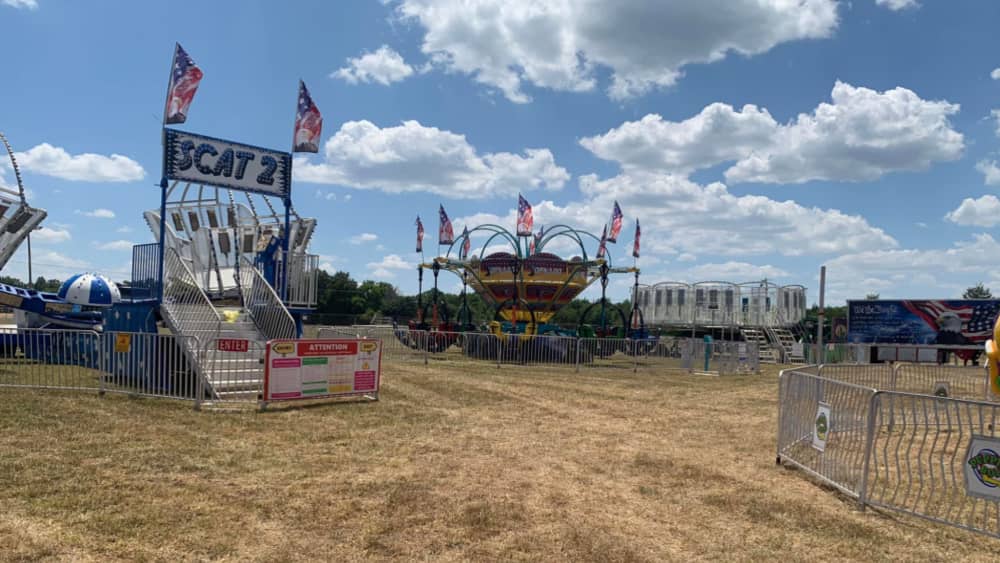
184,79
446,235
466,244
616,223
308,123
635,243
420,235
525,219
602,248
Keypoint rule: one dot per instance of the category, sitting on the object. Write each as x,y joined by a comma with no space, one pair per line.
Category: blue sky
752,139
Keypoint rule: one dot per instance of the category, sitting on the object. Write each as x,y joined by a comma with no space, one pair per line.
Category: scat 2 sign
215,162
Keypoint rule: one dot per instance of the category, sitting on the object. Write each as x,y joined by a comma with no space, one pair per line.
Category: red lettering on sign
328,348
233,345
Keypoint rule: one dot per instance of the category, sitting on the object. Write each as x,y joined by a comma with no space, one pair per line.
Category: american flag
616,224
420,235
635,244
466,244
537,242
977,317
308,123
184,79
604,243
446,235
525,220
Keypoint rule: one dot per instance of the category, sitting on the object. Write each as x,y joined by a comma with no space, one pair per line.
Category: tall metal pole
820,356
31,280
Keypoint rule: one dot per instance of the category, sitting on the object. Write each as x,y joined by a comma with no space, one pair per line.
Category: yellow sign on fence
123,343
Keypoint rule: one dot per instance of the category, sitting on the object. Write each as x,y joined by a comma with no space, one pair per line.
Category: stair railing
266,309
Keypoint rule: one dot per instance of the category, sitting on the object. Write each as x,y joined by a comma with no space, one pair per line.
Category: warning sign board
314,369
123,343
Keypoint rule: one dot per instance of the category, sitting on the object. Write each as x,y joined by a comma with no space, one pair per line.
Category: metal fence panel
840,460
917,454
50,359
942,380
876,376
148,364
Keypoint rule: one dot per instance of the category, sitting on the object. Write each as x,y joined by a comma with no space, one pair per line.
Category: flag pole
163,177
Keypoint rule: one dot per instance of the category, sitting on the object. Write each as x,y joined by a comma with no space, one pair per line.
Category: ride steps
765,351
228,375
784,340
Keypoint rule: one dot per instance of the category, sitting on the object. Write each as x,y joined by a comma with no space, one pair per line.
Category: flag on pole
184,79
531,247
420,235
602,248
466,244
446,235
525,220
616,223
537,242
308,123
635,243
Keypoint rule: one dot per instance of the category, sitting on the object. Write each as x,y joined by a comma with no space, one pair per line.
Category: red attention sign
233,345
328,348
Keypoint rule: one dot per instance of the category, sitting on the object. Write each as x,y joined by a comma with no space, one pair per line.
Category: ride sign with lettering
314,369
215,162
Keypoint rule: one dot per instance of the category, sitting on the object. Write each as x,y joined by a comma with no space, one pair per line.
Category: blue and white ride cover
90,289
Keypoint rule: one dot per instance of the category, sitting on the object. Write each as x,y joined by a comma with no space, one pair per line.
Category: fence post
499,350
427,344
635,356
869,442
101,364
579,346
199,391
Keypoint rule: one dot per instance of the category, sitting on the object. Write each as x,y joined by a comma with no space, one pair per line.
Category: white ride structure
722,304
17,218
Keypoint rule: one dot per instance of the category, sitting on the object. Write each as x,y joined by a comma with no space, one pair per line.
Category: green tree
978,291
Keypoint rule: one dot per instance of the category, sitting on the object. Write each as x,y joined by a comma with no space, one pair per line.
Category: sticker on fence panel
821,430
982,468
942,389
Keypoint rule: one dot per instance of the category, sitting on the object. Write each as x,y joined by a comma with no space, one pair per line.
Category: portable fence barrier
917,439
665,353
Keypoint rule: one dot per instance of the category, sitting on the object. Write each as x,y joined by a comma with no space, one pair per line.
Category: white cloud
862,135
559,44
384,66
681,216
995,114
363,237
687,257
943,272
896,5
29,4
388,265
116,245
990,171
995,75
99,213
51,258
982,212
49,235
53,161
731,271
124,229
412,157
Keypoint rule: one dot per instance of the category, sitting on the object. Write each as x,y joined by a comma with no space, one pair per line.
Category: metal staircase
188,311
764,349
783,340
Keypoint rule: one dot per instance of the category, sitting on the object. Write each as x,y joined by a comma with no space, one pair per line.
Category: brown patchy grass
458,461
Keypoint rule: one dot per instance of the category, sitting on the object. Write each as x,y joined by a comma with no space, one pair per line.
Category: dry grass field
458,461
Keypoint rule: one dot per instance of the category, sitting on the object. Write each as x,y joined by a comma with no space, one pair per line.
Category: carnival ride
232,267
526,286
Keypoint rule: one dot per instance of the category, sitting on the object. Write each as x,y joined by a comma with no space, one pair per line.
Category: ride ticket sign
314,369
